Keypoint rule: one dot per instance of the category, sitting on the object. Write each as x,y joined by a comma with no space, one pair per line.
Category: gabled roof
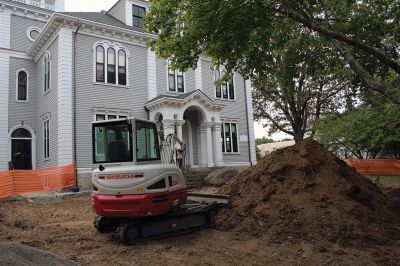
103,18
179,99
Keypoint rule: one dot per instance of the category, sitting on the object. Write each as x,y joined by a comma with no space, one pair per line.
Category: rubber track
166,235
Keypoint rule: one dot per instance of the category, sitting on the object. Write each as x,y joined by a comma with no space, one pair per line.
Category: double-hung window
121,67
46,68
46,139
22,86
226,90
111,65
176,81
229,138
100,61
138,15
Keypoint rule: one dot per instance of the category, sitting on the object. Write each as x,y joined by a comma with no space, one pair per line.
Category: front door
21,150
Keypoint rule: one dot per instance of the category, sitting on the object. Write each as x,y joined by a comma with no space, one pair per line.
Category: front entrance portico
195,119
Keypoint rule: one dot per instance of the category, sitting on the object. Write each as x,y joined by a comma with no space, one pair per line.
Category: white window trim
215,86
28,32
117,115
236,122
176,80
27,86
107,112
116,47
33,143
46,144
48,56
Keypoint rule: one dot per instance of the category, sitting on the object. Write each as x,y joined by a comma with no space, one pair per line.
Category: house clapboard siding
22,111
90,94
19,27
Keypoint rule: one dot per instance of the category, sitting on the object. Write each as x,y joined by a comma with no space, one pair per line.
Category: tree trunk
298,133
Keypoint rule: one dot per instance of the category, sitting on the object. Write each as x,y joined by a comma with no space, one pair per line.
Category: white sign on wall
244,138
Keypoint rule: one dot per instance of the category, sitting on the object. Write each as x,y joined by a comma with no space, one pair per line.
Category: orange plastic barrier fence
18,182
376,167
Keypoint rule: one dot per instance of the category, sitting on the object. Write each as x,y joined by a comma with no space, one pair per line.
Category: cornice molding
25,10
88,27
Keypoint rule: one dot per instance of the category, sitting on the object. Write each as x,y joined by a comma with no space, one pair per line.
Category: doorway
21,149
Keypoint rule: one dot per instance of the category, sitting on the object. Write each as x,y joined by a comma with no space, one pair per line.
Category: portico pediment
183,100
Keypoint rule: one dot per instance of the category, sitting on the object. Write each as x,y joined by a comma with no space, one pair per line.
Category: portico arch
192,116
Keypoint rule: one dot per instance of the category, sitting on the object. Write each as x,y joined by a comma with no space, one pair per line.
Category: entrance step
196,176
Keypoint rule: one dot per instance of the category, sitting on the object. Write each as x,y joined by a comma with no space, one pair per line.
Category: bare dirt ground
65,229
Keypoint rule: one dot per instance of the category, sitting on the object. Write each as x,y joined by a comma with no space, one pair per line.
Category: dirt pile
306,192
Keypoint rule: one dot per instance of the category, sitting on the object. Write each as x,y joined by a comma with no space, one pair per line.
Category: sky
98,5
88,5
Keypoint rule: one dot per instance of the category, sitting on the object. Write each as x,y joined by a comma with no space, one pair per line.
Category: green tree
304,81
363,133
240,35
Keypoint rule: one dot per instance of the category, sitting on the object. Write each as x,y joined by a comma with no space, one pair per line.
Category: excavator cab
127,141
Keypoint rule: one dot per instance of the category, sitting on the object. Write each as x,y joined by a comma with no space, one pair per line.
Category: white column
251,122
210,162
217,149
179,124
169,127
64,97
203,146
179,135
189,143
5,22
4,87
151,75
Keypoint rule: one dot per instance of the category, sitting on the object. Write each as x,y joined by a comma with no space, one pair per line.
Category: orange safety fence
376,166
18,182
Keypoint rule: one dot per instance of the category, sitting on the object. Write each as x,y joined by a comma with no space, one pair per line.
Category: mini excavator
139,192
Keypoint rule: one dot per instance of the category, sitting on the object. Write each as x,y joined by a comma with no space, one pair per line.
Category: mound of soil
306,192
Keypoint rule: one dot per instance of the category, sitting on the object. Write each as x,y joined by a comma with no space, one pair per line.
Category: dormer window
176,80
225,90
138,15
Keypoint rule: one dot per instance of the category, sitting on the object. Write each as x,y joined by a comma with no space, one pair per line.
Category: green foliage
263,140
363,133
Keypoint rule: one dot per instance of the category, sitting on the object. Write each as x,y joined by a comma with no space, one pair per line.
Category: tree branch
276,123
289,11
375,85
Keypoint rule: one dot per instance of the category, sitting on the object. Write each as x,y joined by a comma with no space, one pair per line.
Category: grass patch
384,181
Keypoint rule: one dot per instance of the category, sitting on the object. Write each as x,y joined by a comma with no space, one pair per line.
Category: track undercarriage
184,219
